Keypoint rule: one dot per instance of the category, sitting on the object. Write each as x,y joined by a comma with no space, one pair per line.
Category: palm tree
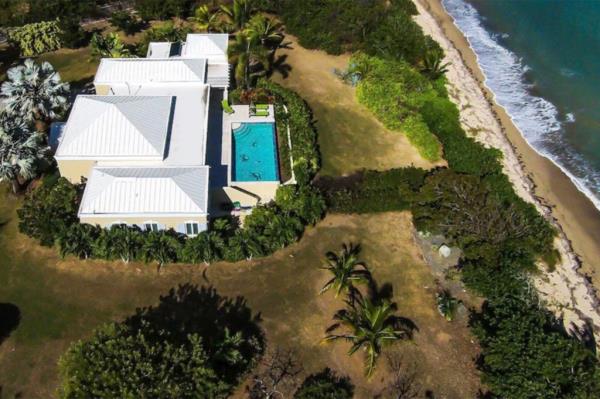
78,240
433,66
346,269
20,154
160,246
109,46
238,14
266,31
251,60
35,92
207,20
370,326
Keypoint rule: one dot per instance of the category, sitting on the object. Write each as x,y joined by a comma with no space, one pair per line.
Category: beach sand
568,290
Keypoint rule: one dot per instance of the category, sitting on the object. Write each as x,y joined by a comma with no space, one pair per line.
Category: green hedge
36,38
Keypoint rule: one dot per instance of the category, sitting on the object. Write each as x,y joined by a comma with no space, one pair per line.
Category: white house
155,146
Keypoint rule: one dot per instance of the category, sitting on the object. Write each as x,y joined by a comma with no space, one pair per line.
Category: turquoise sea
541,59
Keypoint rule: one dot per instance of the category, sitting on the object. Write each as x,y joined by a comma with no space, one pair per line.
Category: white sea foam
537,119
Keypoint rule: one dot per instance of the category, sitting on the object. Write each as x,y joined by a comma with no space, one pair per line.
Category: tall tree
346,268
207,20
265,30
34,92
369,326
250,58
238,14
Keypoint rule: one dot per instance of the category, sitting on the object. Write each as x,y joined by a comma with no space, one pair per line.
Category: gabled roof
206,45
117,126
146,191
150,70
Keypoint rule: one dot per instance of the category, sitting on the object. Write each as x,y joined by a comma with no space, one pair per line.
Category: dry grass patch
63,300
350,137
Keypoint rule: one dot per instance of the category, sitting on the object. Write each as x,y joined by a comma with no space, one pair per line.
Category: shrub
525,353
325,385
50,209
194,344
298,117
126,22
394,92
36,38
72,34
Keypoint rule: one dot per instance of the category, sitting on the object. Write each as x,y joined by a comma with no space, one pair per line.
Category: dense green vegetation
36,38
378,27
395,92
195,343
472,203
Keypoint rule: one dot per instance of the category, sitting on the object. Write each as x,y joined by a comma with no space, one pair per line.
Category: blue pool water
255,153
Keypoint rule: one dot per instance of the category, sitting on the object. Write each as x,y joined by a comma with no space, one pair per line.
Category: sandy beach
568,290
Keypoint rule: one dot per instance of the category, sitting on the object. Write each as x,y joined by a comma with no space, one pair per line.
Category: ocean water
541,59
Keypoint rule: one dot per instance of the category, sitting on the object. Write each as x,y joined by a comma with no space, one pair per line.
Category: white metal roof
146,191
206,45
150,70
117,126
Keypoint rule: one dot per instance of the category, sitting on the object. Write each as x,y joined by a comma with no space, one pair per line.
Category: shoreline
570,290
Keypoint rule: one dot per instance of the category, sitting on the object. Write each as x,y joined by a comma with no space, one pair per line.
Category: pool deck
240,115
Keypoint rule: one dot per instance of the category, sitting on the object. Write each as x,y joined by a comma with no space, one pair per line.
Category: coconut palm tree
238,14
109,46
433,65
20,155
35,92
346,269
266,31
207,20
369,326
251,59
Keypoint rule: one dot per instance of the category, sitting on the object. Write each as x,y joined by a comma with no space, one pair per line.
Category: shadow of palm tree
10,317
280,66
188,309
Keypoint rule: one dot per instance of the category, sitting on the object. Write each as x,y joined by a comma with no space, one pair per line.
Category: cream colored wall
102,90
234,195
72,170
265,190
167,222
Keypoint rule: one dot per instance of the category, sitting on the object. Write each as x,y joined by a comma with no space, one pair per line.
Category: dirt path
350,137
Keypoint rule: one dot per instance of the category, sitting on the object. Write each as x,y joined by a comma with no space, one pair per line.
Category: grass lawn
75,66
63,300
350,137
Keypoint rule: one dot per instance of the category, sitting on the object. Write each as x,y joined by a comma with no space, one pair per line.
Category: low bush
325,385
394,91
49,209
126,22
36,38
164,9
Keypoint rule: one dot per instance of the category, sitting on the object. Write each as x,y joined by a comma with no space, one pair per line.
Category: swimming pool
255,153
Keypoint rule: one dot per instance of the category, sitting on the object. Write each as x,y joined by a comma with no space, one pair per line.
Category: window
192,228
151,226
117,224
